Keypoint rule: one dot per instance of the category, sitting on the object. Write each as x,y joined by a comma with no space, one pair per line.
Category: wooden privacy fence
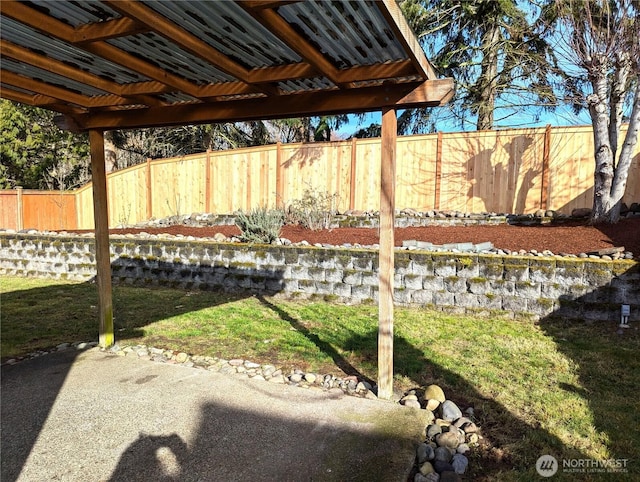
513,171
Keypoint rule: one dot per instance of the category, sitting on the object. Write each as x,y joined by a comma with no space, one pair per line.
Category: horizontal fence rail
508,171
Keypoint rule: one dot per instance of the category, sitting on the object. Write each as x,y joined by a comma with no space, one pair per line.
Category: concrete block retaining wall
573,288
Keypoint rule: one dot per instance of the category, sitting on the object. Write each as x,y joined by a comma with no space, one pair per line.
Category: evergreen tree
492,49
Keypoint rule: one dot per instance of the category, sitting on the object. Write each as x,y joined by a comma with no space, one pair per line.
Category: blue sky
521,118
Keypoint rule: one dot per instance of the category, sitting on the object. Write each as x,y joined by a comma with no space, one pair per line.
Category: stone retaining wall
568,287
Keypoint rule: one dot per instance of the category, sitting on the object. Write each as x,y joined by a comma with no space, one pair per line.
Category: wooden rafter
51,91
7,49
285,32
60,30
261,4
185,40
406,36
120,27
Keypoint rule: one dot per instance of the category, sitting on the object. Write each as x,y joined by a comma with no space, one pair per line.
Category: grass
551,387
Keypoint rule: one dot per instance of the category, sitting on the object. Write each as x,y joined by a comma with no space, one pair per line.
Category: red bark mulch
567,238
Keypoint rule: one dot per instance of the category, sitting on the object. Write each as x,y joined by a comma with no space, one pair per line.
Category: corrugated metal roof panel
76,13
53,79
318,83
17,33
176,97
350,33
17,89
153,48
226,27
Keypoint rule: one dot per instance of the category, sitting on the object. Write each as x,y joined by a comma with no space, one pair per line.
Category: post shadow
499,427
322,345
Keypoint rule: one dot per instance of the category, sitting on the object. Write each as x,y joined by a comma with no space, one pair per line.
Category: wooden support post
101,217
386,264
19,209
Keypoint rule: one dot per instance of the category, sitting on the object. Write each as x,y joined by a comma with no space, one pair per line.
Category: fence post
149,196
19,210
352,177
544,188
436,201
207,187
279,175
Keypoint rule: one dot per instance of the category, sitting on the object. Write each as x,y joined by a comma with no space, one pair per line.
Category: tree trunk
610,180
488,78
110,162
603,203
624,162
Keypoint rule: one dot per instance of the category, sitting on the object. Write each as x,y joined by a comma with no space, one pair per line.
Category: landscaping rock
450,411
433,430
442,454
426,468
432,404
460,463
434,392
449,476
441,466
448,440
425,452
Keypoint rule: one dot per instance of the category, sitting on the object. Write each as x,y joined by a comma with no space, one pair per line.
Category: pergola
119,64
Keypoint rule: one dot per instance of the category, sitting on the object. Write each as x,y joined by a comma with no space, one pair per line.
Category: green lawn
570,390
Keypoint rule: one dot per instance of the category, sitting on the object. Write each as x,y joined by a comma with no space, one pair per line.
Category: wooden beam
119,27
391,11
367,99
386,253
101,219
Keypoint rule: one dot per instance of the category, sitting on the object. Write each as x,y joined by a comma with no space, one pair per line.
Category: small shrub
315,210
260,225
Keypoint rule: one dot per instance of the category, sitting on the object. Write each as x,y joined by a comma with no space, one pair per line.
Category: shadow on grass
607,365
607,359
494,459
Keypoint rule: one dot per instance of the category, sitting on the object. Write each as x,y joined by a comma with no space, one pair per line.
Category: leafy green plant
260,225
315,210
